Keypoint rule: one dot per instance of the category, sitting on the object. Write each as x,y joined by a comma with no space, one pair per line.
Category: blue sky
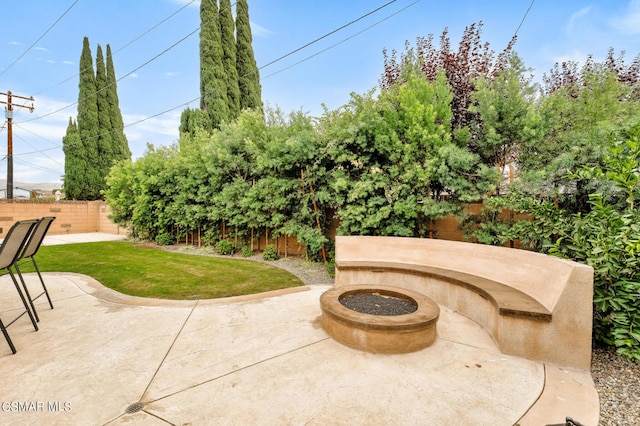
324,73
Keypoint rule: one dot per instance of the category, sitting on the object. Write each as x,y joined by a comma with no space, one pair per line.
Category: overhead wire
131,72
120,78
328,34
183,104
39,38
36,166
342,41
524,17
129,43
289,54
41,151
57,145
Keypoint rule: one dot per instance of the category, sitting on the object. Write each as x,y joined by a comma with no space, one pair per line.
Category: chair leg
6,336
26,292
46,292
24,301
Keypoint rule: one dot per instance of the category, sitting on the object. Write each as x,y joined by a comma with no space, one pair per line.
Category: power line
9,115
37,135
41,152
154,27
524,17
262,67
121,78
37,152
36,166
327,34
122,47
193,32
39,38
118,80
342,41
288,54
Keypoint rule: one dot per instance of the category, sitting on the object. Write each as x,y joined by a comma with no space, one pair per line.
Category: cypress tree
248,74
105,139
96,140
228,41
213,89
88,126
74,162
120,148
192,119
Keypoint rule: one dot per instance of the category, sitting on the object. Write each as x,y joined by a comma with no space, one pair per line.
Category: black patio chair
30,249
10,251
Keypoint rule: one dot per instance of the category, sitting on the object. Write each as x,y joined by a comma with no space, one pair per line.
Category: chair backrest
37,236
14,242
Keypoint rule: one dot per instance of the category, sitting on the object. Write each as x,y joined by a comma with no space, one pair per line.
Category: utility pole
8,113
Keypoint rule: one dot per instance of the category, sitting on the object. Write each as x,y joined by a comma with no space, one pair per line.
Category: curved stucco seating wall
533,305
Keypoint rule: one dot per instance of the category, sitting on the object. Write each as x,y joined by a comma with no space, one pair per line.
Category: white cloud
577,16
38,168
41,49
54,110
576,56
159,131
258,30
68,62
171,74
629,23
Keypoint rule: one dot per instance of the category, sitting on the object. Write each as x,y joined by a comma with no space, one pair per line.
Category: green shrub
607,238
205,250
270,253
246,251
224,247
164,239
330,265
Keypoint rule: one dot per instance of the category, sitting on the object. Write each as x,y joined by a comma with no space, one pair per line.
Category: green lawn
149,272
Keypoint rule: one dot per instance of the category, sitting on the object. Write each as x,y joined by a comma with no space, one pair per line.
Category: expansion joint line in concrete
155,373
544,385
241,369
193,308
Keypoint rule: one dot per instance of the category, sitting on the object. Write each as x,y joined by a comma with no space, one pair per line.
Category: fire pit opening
378,302
379,319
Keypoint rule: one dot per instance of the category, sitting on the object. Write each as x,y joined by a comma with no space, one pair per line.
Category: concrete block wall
72,217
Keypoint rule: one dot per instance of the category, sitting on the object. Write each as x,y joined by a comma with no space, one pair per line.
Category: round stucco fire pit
388,329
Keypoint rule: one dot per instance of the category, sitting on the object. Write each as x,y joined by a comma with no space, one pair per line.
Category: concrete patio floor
104,358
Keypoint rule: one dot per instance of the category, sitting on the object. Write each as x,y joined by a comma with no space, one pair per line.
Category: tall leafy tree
248,73
227,32
463,68
121,149
579,109
506,108
75,162
88,128
213,82
105,155
96,140
394,159
190,121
